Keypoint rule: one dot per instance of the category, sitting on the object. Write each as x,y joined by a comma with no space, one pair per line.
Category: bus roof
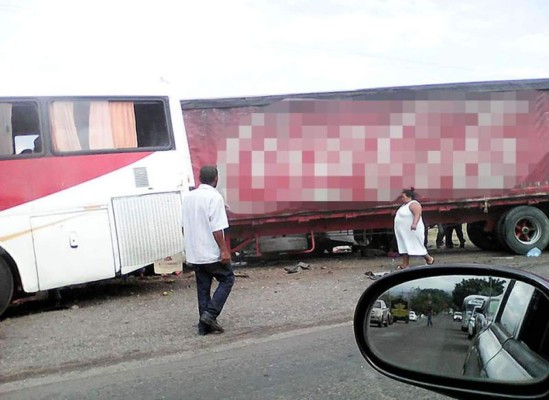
40,86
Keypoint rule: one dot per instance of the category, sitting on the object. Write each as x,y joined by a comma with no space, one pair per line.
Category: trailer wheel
524,228
500,232
479,237
6,286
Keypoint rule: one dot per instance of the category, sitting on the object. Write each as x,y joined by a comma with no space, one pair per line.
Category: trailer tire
6,286
480,238
524,228
500,232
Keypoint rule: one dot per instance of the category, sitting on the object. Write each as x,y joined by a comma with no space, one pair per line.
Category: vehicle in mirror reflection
470,304
471,329
486,314
413,316
399,310
380,314
505,343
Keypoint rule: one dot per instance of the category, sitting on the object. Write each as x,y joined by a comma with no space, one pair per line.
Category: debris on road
376,275
297,268
535,252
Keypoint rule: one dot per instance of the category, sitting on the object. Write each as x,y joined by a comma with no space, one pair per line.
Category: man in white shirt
204,219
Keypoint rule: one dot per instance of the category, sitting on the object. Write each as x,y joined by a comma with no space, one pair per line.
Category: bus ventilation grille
141,177
148,227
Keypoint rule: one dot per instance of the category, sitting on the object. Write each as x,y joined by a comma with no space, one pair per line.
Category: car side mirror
508,358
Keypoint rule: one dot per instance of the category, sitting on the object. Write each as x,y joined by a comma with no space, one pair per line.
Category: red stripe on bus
29,179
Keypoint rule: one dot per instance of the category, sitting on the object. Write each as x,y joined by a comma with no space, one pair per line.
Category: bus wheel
479,237
6,286
524,228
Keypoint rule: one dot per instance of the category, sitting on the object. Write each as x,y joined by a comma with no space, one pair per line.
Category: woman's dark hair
410,193
208,174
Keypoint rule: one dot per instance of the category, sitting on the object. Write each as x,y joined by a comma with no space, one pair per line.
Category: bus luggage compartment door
148,228
72,248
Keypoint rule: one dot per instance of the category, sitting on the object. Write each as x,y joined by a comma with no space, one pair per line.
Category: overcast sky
225,48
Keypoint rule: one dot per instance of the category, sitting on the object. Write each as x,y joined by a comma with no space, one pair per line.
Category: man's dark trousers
205,273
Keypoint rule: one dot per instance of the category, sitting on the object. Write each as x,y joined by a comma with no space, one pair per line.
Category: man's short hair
208,173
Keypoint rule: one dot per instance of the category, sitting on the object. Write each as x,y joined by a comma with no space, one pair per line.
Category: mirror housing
454,386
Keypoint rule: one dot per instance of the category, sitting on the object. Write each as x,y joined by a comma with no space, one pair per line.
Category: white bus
469,304
90,188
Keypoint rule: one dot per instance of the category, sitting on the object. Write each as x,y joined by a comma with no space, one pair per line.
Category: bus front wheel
6,286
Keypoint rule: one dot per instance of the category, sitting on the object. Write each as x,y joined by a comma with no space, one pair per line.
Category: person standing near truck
204,219
440,235
410,230
449,230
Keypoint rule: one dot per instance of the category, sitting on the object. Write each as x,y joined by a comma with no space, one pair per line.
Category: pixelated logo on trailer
366,151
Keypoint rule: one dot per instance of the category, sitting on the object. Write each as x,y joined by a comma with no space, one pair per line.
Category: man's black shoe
207,319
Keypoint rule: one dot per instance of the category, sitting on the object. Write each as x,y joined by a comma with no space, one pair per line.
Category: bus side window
151,124
91,125
19,127
6,130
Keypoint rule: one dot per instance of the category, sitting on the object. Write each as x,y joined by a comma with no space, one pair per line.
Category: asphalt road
137,339
438,349
314,363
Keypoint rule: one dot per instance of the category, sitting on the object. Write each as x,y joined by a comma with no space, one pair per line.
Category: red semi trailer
306,165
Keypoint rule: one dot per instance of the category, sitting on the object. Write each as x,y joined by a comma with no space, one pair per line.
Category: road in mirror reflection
493,311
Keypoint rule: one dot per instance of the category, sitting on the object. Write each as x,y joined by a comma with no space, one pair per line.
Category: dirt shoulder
120,320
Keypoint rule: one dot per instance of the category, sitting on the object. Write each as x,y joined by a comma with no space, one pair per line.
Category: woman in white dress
410,230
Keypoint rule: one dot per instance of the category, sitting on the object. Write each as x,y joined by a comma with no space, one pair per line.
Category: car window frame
507,307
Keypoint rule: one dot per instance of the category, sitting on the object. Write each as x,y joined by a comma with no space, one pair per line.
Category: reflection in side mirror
473,323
